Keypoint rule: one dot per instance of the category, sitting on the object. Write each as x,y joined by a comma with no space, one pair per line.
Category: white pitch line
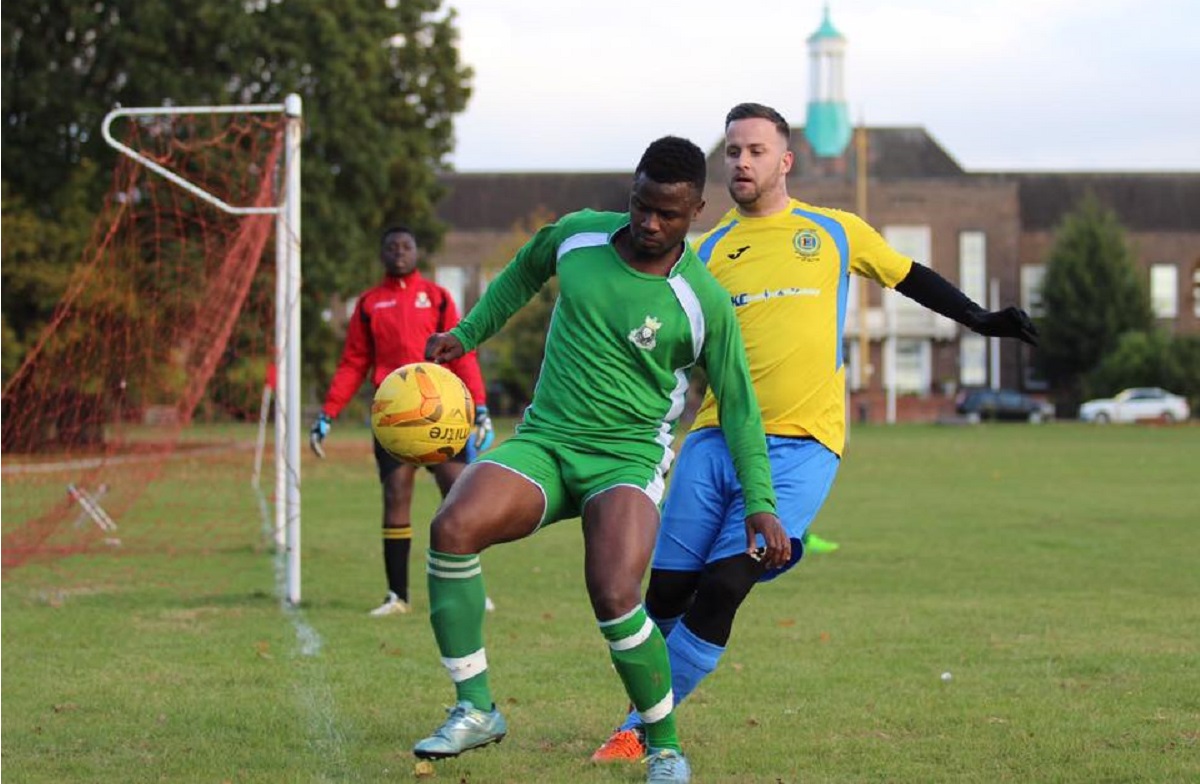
313,694
98,462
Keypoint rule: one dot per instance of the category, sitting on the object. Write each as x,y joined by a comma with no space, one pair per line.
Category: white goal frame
287,305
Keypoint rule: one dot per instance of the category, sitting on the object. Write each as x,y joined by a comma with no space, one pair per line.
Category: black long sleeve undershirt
925,287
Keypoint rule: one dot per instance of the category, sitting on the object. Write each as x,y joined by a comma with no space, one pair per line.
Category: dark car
1002,405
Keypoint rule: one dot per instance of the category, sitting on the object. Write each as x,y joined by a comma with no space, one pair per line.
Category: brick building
988,232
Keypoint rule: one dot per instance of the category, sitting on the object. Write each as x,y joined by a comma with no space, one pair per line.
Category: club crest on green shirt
646,336
806,242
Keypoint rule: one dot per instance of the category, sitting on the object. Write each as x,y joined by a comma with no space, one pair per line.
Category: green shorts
569,476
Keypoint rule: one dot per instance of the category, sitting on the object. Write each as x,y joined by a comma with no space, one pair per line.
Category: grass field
1053,570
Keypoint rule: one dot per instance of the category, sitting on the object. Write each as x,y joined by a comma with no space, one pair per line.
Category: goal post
287,301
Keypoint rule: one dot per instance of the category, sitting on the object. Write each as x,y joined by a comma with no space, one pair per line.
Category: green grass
1052,570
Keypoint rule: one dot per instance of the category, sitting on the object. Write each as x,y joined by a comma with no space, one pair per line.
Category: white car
1136,404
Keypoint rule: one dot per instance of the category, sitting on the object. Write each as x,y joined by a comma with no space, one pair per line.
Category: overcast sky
580,85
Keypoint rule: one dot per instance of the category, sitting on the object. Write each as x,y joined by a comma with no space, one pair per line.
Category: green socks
456,607
639,653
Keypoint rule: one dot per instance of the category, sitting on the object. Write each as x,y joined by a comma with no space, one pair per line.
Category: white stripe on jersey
586,239
695,314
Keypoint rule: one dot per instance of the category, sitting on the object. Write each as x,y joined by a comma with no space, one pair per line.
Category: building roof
1168,201
1142,201
502,200
893,154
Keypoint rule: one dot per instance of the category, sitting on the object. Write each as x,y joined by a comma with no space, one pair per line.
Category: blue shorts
703,518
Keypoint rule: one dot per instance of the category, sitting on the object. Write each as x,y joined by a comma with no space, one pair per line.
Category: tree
1092,294
381,82
512,359
1144,359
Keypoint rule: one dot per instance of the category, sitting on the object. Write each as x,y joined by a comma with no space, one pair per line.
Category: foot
466,728
623,746
816,545
488,604
392,605
667,766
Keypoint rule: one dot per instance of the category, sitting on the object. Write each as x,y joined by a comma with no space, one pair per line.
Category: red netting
139,406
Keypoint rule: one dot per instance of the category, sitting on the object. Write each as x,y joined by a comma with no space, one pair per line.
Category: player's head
398,251
667,195
757,158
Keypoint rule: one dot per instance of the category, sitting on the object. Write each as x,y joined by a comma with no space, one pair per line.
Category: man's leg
698,641
803,472
397,481
691,520
619,527
488,504
445,474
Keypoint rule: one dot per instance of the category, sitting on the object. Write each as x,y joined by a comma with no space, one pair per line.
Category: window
1196,291
972,360
1032,276
1164,290
972,265
454,280
854,374
916,243
913,365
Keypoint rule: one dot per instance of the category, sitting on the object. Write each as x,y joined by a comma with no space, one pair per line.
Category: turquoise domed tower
827,125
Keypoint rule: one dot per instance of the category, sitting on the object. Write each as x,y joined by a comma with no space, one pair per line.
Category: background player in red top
389,328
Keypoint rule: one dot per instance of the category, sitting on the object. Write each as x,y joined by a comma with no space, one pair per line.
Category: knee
670,594
612,600
726,584
450,532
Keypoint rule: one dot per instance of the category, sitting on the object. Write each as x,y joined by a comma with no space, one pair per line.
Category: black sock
396,544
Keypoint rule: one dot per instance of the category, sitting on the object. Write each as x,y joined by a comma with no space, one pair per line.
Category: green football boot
816,545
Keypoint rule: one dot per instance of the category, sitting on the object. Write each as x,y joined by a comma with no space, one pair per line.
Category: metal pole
889,352
292,147
994,343
865,366
864,299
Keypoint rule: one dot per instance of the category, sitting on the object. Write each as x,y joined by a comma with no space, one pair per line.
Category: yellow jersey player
786,266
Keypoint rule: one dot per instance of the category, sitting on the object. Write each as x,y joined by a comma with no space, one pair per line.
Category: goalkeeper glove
316,436
483,436
1012,322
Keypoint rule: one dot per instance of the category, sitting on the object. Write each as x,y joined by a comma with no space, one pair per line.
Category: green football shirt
620,346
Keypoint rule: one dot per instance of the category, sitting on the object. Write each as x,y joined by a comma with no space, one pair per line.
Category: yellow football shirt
788,275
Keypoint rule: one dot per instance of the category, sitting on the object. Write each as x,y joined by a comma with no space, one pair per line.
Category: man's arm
524,276
926,287
358,355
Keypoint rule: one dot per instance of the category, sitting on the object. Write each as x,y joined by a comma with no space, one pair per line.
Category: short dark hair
758,111
674,159
397,229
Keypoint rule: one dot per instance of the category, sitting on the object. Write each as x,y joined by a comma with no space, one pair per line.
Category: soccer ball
422,414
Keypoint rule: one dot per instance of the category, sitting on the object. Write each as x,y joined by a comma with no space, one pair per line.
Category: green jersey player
636,310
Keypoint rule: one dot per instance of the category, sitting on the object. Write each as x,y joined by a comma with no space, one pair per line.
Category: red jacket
390,325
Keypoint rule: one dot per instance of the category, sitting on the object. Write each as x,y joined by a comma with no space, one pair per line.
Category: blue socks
692,659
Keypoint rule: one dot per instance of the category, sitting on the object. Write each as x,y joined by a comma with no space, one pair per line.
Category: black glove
1012,322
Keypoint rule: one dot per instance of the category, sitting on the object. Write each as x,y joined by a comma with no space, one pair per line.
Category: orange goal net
134,423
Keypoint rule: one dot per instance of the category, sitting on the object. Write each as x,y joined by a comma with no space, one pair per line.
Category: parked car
1138,403
1002,405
